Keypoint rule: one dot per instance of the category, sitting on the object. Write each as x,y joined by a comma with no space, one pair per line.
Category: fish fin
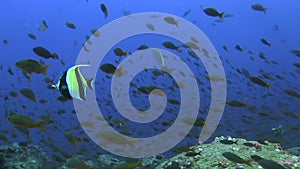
27,75
176,23
40,125
55,86
80,139
148,91
268,85
222,15
119,71
265,10
178,49
248,162
44,69
91,83
166,69
54,56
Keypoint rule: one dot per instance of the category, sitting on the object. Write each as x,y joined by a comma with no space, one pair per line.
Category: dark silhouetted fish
235,158
186,13
41,51
70,25
264,41
104,10
214,13
259,7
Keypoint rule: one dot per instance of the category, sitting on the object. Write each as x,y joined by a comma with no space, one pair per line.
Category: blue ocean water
267,107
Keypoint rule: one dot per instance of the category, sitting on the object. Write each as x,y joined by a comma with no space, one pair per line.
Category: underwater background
259,50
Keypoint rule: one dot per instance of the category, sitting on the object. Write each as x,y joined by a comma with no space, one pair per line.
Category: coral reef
229,153
16,156
207,156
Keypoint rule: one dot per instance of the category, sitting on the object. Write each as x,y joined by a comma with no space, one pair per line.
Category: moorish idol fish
72,84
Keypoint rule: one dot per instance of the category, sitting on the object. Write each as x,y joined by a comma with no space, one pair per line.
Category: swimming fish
229,142
225,48
5,42
194,39
292,93
87,38
235,158
72,138
104,10
249,144
239,48
259,7
148,90
41,51
297,64
95,32
264,41
31,66
20,120
28,94
192,45
193,54
259,81
262,55
186,13
70,25
235,103
31,36
173,101
171,45
120,52
182,149
296,52
72,84
3,138
267,164
13,94
150,26
213,12
142,47
43,26
108,68
171,20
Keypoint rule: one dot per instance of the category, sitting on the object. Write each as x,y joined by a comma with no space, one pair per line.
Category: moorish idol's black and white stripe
72,84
